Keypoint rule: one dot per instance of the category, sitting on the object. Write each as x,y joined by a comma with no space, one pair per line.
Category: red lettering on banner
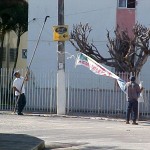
85,63
99,70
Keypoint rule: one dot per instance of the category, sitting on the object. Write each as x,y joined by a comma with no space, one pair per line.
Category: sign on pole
60,33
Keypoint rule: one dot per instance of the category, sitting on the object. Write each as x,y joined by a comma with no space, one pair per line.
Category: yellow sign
60,33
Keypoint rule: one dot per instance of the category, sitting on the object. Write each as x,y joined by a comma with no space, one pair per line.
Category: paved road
79,133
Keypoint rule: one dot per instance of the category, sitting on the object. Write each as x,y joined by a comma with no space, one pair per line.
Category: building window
24,53
126,3
13,52
122,3
131,4
3,54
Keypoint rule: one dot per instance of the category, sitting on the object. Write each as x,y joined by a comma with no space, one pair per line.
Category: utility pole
61,90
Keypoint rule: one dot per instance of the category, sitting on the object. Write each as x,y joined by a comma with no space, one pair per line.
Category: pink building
125,14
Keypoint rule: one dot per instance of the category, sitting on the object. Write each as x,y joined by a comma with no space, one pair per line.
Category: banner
141,98
97,68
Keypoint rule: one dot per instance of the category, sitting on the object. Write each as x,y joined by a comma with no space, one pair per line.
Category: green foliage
14,16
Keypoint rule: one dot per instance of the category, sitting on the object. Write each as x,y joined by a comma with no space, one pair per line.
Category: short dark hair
132,78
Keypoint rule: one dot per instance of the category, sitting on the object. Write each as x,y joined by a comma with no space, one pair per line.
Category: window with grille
13,52
3,54
131,4
122,3
126,3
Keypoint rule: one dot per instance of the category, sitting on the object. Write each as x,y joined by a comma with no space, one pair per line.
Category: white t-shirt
18,84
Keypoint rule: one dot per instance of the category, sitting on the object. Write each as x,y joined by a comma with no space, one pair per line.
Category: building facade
101,15
126,15
85,91
9,53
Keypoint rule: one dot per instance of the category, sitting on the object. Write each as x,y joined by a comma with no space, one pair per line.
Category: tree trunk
15,63
17,52
1,63
1,50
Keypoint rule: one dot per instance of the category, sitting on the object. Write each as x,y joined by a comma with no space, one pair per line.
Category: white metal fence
85,93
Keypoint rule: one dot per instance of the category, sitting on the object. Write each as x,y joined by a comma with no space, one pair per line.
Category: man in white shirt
18,86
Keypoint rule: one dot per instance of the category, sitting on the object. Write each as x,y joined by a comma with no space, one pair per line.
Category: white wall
143,10
142,13
99,14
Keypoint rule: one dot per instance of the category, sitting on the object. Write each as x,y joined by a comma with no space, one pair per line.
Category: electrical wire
94,10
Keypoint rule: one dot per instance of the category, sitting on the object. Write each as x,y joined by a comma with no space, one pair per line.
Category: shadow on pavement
77,146
20,142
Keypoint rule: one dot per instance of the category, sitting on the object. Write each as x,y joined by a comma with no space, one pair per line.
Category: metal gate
85,93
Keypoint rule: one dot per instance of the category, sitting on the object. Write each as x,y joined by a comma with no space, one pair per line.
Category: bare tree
127,54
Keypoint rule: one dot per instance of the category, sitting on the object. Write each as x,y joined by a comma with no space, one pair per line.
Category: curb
65,116
40,146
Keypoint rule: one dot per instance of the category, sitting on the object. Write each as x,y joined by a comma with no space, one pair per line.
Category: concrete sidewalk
71,133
